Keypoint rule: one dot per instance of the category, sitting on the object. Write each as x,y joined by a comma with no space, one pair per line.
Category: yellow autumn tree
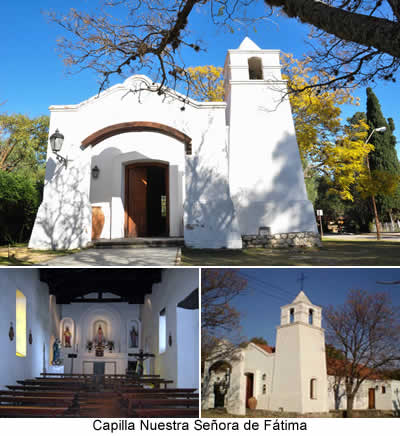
207,83
326,145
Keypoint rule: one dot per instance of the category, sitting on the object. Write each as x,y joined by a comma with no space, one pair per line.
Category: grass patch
333,253
21,255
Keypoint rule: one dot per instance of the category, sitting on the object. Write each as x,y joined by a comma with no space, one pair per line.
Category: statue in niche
56,352
99,336
133,334
67,337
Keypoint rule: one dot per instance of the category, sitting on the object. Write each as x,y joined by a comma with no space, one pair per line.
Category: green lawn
21,255
334,252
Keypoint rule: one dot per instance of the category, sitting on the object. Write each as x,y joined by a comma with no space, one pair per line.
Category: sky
270,288
33,77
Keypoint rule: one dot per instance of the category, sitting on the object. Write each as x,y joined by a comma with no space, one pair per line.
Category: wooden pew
166,413
29,411
159,395
135,403
28,388
38,400
40,393
132,389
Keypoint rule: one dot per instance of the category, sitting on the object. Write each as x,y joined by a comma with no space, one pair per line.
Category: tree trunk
368,31
350,403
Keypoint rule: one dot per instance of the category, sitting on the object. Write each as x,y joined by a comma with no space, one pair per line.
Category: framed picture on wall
133,335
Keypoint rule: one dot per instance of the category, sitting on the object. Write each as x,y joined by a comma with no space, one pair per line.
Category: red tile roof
266,348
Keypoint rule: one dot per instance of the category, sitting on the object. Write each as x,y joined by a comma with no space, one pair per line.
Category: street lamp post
377,224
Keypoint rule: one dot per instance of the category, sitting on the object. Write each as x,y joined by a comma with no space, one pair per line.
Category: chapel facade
218,174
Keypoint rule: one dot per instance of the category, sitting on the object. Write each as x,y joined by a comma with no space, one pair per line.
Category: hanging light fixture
56,142
95,172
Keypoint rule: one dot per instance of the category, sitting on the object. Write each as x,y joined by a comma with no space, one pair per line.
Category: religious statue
133,334
56,352
99,336
67,337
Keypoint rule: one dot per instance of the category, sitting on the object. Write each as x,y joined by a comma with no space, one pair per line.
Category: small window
291,315
255,69
162,331
264,376
310,316
264,389
20,332
383,389
313,388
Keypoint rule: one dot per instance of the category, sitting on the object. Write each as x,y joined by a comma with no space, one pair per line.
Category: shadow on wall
255,209
209,209
62,222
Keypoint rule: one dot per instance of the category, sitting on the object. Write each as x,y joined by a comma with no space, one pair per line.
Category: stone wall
282,240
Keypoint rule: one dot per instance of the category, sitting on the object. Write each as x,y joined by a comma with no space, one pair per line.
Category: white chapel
136,164
293,376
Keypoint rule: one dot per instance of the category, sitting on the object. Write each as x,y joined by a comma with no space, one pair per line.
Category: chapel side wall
13,367
174,287
259,363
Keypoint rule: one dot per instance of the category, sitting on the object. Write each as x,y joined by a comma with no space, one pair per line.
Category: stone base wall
282,240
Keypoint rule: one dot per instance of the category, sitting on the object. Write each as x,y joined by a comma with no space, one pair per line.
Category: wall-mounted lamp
30,339
56,142
11,332
170,339
95,172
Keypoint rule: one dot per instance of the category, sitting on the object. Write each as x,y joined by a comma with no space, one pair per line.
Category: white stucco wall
42,320
265,173
259,362
174,287
244,171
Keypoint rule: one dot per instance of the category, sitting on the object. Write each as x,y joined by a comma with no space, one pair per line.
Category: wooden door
136,201
371,398
249,388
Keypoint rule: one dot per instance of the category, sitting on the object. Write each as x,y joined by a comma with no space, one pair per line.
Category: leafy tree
352,40
20,197
383,160
366,331
23,142
219,319
207,83
326,146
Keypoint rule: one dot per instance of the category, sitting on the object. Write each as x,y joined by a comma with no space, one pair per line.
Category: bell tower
300,382
266,178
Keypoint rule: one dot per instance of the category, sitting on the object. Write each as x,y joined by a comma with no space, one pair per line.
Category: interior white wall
174,287
117,316
187,339
42,320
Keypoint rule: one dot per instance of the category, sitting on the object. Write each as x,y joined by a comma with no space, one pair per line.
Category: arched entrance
146,199
221,371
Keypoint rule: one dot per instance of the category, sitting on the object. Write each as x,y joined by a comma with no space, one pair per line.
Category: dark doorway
249,387
146,200
371,398
219,394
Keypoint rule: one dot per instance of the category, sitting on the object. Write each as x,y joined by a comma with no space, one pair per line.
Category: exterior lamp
56,142
95,172
377,224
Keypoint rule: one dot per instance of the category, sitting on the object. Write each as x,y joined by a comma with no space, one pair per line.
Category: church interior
90,342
